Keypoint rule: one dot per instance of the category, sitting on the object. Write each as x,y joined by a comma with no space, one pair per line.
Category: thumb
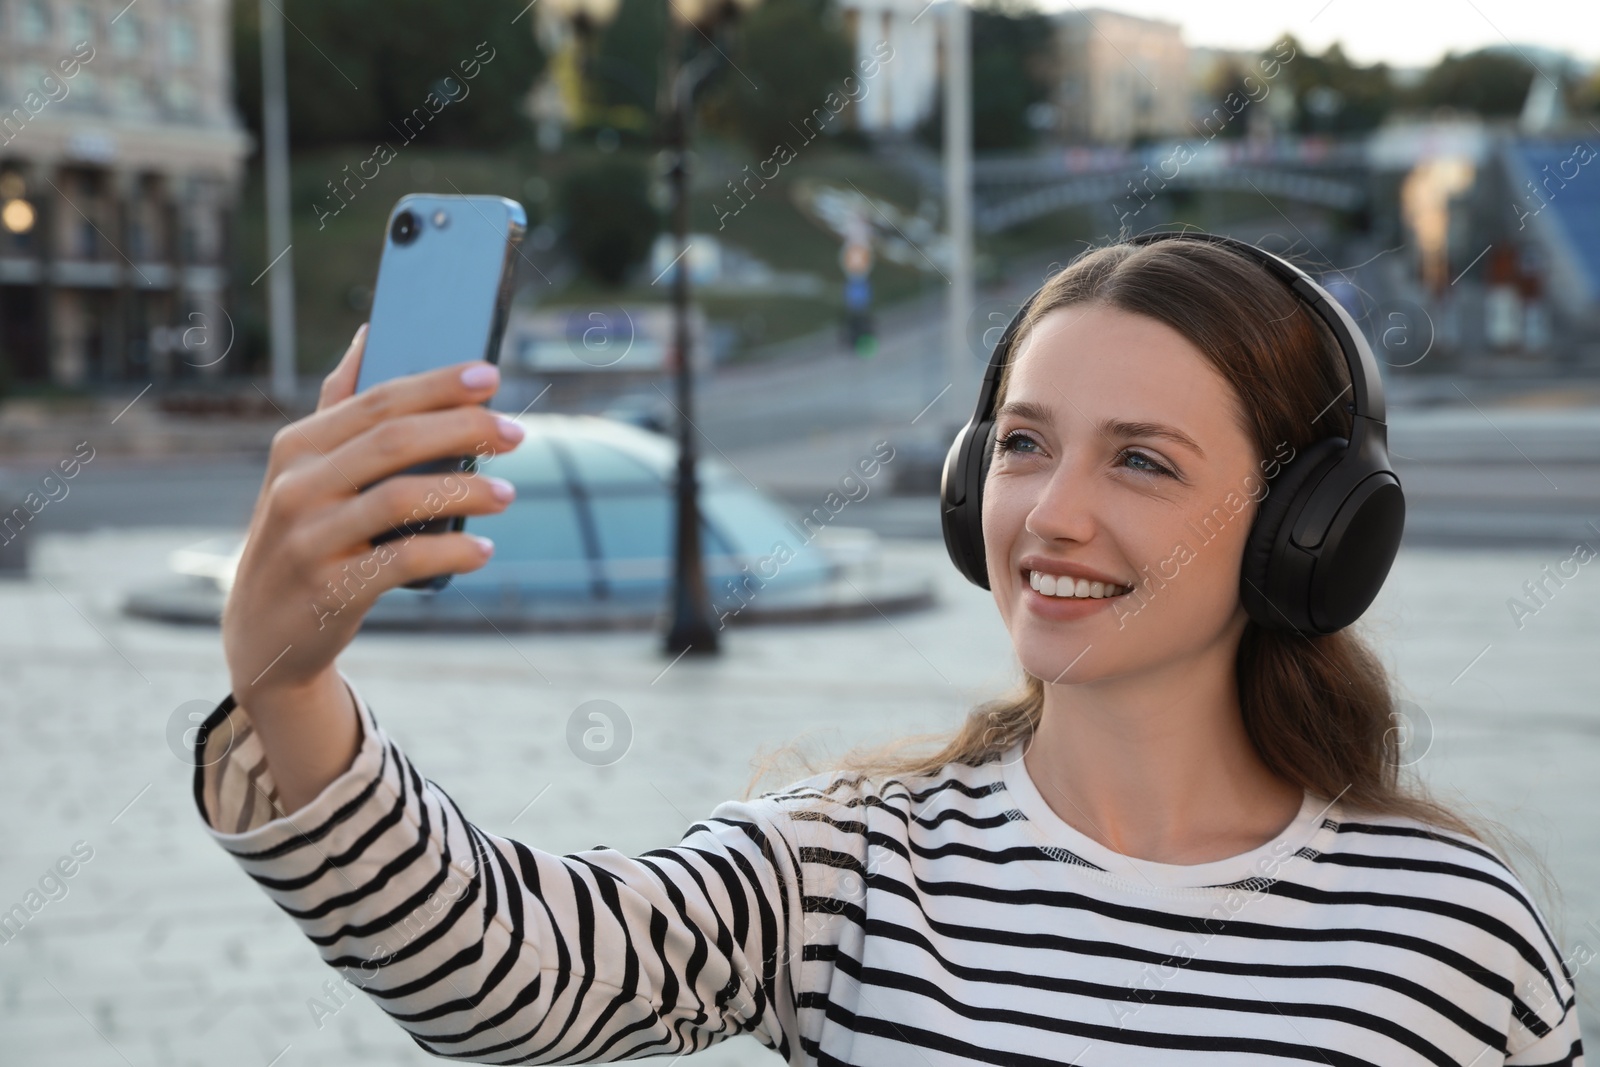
341,381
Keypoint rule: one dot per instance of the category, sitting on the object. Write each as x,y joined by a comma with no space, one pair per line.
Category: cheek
1002,521
1202,561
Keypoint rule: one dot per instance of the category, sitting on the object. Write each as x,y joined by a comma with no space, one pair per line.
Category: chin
1047,655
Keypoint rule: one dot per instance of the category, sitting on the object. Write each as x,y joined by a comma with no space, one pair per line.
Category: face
1119,459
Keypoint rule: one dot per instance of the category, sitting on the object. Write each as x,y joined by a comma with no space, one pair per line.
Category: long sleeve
488,950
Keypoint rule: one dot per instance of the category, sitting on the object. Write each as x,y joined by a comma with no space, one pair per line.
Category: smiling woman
1185,840
1147,394
1223,799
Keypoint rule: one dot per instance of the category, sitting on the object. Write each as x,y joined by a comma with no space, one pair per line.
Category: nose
1065,508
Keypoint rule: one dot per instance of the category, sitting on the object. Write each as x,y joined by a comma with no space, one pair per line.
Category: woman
1184,841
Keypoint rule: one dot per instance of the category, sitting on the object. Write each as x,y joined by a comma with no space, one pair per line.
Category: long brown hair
1320,711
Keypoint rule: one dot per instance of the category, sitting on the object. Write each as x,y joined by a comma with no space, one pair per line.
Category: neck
1158,766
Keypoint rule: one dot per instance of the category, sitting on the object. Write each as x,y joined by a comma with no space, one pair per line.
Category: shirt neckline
1308,828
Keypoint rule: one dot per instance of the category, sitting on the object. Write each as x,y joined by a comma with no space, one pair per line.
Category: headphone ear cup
1269,596
961,500
1357,551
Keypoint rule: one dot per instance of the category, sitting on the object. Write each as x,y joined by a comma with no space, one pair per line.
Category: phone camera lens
405,227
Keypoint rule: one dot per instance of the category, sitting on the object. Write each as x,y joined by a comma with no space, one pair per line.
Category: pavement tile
162,952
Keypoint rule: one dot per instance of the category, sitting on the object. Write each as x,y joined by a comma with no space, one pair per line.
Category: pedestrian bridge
1012,189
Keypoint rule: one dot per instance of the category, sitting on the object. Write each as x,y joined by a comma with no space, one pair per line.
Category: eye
1146,464
1008,442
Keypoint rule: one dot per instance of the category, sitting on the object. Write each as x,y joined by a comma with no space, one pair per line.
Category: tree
798,57
357,70
1332,94
625,71
1490,82
610,222
1011,45
1229,80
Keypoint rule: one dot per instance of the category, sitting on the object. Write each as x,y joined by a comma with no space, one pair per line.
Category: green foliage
796,53
1332,94
610,220
1011,45
624,72
1011,52
357,69
1489,82
1230,80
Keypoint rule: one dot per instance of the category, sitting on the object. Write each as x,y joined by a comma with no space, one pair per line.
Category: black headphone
1325,534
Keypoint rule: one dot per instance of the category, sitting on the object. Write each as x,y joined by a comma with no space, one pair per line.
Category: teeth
1082,588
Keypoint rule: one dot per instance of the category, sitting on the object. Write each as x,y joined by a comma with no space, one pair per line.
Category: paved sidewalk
163,953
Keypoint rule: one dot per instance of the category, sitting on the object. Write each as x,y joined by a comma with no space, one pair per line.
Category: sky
1402,33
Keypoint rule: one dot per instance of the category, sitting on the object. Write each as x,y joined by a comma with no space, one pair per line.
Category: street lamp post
690,628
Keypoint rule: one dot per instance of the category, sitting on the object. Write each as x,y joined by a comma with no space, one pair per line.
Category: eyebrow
1117,428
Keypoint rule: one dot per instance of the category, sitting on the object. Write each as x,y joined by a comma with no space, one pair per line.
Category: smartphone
442,296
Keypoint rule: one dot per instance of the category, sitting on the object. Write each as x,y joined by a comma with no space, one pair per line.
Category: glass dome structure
587,544
594,514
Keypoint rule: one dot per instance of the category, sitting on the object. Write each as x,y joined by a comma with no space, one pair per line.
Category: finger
400,443
413,499
451,553
365,575
444,387
341,381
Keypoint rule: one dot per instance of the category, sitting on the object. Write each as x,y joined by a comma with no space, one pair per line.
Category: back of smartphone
443,292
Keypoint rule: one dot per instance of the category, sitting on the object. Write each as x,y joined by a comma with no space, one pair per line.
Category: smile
1066,588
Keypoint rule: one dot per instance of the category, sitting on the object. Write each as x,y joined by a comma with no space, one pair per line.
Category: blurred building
897,62
1119,78
120,158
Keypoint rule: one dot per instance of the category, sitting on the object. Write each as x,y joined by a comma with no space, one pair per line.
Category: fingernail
502,489
485,545
479,375
510,428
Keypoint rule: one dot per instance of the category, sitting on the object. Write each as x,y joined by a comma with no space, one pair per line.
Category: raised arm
310,572
483,948
489,950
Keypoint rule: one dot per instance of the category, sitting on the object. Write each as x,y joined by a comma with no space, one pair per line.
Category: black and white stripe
945,920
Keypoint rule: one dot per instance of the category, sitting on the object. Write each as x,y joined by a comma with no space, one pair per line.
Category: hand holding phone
310,571
443,293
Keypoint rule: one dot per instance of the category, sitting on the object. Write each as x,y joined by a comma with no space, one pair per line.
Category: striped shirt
925,922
